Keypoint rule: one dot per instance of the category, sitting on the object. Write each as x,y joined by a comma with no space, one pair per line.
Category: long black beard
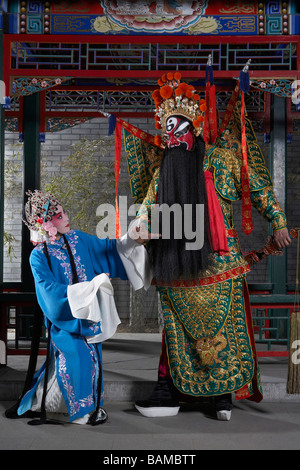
181,182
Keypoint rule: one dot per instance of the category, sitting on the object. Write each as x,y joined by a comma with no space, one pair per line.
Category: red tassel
247,222
212,114
210,121
118,144
206,132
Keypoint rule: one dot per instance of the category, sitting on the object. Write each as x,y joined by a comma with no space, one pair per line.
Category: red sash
218,239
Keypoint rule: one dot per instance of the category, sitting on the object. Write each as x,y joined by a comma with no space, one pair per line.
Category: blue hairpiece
45,208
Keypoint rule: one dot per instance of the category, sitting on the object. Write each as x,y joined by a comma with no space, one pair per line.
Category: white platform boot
223,405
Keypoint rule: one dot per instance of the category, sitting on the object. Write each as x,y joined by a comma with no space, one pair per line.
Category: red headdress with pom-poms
177,98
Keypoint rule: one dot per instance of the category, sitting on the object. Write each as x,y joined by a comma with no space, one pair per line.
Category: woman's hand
141,234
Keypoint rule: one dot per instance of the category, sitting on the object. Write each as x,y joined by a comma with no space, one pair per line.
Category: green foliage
84,181
13,176
12,187
9,240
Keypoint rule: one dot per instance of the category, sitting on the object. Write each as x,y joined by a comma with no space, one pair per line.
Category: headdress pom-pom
158,140
166,92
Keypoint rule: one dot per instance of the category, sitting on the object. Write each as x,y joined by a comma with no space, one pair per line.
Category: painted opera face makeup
60,220
179,133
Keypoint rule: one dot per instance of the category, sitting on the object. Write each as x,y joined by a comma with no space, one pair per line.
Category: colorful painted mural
172,17
153,17
159,16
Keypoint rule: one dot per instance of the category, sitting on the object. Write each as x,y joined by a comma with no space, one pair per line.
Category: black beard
181,182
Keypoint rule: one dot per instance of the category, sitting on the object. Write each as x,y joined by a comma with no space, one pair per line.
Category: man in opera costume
208,347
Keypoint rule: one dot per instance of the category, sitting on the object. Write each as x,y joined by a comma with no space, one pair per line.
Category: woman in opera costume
70,270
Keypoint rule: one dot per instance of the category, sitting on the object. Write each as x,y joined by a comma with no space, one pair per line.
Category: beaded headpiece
177,98
39,209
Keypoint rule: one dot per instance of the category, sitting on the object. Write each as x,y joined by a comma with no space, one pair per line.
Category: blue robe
77,362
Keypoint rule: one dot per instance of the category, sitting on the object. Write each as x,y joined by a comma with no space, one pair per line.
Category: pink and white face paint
179,133
60,221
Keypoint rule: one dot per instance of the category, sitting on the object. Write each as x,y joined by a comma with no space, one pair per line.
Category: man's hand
282,238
